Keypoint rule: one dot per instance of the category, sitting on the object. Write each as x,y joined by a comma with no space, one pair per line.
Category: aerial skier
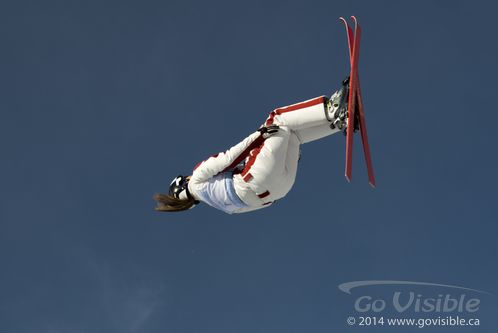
261,168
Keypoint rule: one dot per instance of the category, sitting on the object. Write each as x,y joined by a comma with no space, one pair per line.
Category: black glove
267,131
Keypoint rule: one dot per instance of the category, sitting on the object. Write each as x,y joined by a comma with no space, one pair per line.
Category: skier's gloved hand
267,131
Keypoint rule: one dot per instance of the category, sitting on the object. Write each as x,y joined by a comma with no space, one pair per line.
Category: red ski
355,104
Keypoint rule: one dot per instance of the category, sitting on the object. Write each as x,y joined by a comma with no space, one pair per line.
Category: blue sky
104,102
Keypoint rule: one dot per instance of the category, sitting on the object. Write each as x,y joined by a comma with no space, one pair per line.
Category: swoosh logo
348,286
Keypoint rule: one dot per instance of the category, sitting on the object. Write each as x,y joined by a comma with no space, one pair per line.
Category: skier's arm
224,161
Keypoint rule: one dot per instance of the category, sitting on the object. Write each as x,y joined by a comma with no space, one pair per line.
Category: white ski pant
271,168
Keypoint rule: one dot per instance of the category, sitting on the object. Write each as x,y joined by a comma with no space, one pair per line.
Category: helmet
179,188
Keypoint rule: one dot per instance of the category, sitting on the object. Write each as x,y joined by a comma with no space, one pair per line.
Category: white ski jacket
208,185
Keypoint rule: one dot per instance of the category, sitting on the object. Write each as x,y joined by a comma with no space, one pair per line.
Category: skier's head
178,198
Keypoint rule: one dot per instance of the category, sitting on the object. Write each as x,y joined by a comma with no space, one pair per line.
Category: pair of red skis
355,104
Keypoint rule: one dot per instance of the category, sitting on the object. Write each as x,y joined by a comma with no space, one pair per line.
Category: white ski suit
270,164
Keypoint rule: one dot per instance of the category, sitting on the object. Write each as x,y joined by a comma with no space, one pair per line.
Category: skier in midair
261,168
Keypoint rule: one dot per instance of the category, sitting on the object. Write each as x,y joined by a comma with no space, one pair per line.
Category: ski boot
337,109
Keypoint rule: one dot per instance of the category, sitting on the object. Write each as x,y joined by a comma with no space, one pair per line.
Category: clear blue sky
103,102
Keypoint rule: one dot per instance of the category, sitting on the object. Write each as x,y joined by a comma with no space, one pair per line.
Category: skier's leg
291,163
268,159
309,134
271,169
314,112
297,116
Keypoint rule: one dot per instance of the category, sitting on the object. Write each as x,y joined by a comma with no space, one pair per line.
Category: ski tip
355,20
348,178
372,183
